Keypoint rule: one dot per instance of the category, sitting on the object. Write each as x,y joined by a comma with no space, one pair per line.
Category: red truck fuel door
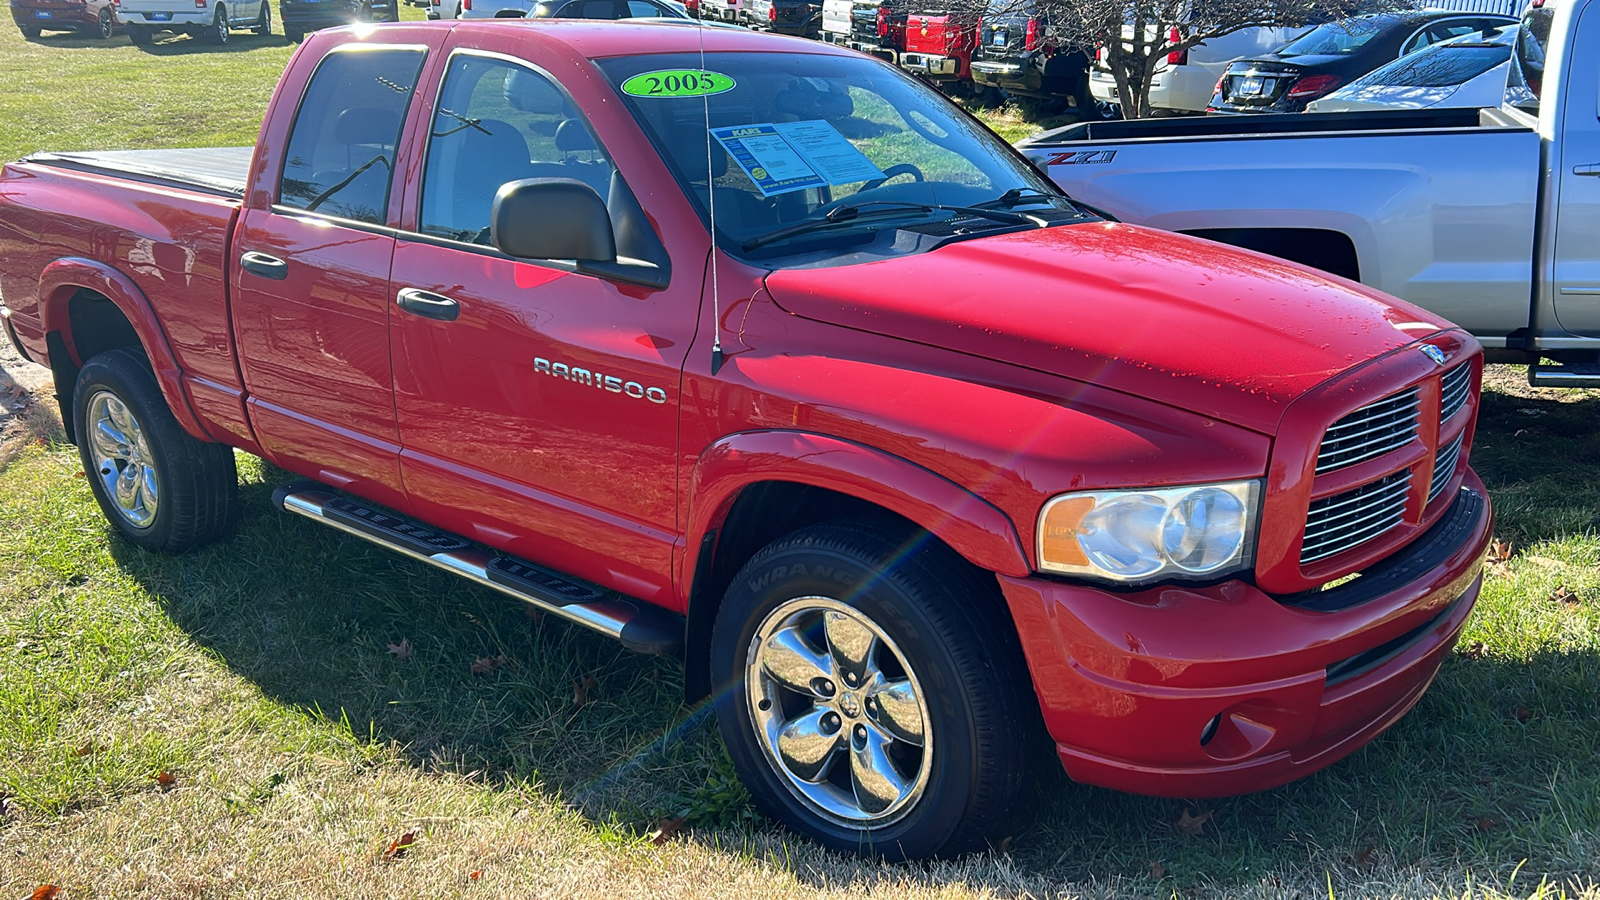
542,418
311,286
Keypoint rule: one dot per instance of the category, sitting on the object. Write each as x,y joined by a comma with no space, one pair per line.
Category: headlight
1198,531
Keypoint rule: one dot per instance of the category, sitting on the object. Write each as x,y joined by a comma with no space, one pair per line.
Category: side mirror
552,218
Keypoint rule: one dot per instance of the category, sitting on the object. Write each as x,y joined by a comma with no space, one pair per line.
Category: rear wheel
218,32
159,487
263,25
104,25
874,696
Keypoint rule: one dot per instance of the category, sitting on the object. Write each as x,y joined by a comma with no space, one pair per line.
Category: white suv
1184,82
209,20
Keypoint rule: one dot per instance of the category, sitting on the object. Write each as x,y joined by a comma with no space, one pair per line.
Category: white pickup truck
1487,217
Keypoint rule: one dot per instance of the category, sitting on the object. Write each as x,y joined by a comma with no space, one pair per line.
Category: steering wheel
892,172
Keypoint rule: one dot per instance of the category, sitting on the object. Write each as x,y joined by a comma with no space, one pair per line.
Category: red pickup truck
760,351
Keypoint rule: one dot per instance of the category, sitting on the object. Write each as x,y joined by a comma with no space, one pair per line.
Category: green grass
256,672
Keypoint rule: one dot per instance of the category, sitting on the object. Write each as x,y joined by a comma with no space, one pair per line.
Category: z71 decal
1081,157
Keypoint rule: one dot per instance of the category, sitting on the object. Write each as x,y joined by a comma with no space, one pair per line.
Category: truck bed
212,170
1266,126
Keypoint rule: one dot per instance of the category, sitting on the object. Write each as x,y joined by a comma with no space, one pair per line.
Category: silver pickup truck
1487,217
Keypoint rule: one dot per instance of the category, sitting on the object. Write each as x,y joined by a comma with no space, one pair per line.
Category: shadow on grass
1498,765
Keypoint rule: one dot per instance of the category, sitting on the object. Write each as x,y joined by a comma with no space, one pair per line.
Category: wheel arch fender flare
64,277
973,527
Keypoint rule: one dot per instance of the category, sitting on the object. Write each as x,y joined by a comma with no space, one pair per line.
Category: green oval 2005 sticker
677,83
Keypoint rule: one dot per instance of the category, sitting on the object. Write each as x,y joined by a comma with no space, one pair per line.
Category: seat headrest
367,125
572,137
532,93
502,149
805,101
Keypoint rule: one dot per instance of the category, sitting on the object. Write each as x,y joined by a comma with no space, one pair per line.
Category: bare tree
1138,34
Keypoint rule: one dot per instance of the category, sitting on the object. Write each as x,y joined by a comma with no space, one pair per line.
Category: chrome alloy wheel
837,711
122,459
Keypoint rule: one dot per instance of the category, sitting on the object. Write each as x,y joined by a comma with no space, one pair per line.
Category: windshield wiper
1020,195
840,215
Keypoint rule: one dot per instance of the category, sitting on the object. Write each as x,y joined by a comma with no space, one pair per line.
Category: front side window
340,158
831,156
497,122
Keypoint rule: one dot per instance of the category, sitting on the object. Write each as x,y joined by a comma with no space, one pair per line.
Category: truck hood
1230,334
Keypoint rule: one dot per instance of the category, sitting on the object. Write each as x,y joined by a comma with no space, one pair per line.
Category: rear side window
340,159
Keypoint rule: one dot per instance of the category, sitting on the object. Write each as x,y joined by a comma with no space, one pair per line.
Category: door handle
1592,169
265,266
428,304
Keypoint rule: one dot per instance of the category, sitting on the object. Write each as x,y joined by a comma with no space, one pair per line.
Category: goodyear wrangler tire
159,487
873,694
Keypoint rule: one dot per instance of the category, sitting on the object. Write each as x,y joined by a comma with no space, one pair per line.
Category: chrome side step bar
638,625
1568,376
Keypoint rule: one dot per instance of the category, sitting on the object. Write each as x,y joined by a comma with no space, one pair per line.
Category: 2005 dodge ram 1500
906,453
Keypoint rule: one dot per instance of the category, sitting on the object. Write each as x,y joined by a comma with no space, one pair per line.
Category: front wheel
874,693
218,32
263,24
159,487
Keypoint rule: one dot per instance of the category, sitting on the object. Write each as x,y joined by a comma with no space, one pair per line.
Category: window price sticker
793,156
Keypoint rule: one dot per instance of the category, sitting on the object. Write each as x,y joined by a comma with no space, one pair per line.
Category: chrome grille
1372,430
1453,387
1444,466
1336,524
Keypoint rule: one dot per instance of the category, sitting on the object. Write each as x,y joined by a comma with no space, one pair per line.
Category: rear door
537,404
311,282
1577,242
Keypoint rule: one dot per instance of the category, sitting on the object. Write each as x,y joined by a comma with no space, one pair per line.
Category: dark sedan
91,17
1334,54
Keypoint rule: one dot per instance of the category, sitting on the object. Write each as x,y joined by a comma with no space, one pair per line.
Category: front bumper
1221,690
1007,74
931,65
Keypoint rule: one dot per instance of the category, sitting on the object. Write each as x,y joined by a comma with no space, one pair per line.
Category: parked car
606,9
1467,71
1488,217
804,403
443,9
939,41
1015,52
801,18
874,27
208,20
1334,54
303,16
1185,81
91,17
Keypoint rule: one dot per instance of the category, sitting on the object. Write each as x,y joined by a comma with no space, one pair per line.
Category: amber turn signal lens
1058,533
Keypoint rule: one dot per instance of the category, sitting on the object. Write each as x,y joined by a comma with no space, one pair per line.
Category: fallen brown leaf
665,829
1563,596
46,892
1485,824
1474,650
79,474
475,874
582,688
397,847
165,779
84,749
1157,870
1191,824
484,665
1499,551
402,650
1522,713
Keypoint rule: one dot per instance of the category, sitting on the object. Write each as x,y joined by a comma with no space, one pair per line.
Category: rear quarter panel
1443,219
171,244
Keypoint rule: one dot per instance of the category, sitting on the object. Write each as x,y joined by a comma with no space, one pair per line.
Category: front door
537,405
311,281
1577,233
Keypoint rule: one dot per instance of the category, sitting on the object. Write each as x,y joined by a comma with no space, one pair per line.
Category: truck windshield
1334,38
825,160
